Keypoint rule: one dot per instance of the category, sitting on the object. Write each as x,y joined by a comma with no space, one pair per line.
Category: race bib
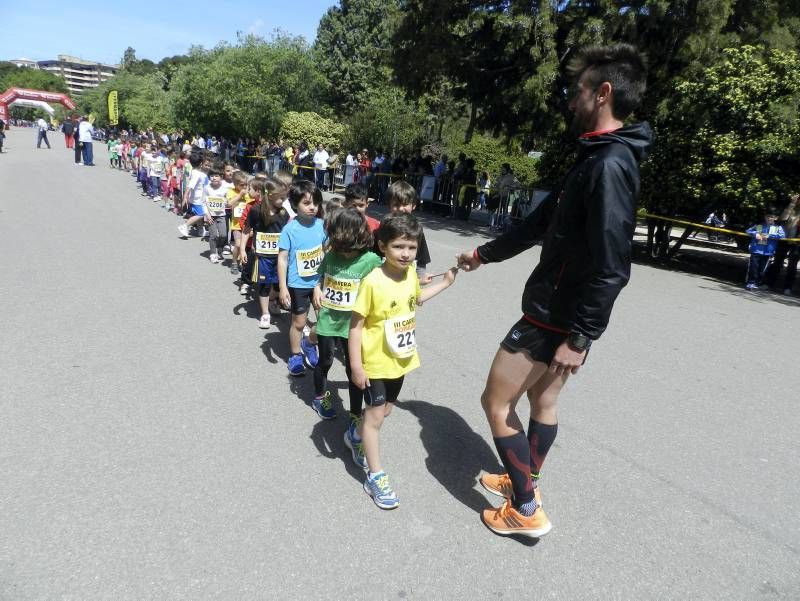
401,335
308,261
238,210
267,243
216,205
339,293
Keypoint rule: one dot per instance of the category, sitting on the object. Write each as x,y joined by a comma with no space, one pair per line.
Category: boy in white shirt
194,196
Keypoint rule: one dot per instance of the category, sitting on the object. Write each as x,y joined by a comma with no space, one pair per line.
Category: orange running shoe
500,485
506,520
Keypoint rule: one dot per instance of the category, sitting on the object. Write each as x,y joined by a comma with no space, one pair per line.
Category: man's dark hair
621,65
398,225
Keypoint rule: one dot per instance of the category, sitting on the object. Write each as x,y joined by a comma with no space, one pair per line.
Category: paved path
153,447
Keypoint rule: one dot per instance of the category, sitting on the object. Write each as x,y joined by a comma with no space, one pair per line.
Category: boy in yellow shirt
382,342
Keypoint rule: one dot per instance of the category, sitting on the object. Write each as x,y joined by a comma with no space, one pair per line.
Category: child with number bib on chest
382,341
300,255
217,220
265,221
348,261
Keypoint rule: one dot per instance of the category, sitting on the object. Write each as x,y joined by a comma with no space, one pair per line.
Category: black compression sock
540,439
515,454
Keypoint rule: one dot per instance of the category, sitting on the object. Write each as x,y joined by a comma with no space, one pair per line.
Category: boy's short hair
214,172
622,65
302,187
239,177
354,192
398,225
195,160
401,193
771,212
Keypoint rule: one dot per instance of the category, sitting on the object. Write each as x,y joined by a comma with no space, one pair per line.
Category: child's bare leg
370,435
296,332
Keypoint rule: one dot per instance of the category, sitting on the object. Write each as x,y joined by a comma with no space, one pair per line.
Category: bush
313,128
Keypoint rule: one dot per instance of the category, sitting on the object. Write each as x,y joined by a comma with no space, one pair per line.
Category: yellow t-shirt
388,340
236,209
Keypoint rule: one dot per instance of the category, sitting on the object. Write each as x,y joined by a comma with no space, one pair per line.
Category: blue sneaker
309,353
356,448
296,365
377,486
324,406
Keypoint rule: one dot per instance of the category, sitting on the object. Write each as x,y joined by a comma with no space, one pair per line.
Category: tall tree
352,50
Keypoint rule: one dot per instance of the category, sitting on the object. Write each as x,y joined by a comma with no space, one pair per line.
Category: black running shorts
380,392
539,343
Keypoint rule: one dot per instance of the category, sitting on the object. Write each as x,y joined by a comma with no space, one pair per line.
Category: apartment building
79,74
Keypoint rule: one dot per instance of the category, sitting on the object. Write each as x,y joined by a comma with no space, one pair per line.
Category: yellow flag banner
113,107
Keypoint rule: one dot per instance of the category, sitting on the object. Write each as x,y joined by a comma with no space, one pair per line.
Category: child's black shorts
379,392
301,300
539,343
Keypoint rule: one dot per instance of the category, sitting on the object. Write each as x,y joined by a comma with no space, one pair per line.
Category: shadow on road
328,437
456,454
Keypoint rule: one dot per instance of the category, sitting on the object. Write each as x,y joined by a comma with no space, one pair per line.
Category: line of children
365,306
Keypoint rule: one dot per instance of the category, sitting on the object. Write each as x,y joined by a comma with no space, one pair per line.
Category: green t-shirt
340,279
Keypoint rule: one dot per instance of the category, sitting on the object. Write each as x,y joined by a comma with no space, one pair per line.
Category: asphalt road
152,445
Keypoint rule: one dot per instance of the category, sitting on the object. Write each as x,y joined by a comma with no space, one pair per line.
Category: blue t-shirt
304,245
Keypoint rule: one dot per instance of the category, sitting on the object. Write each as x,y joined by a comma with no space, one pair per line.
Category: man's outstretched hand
468,260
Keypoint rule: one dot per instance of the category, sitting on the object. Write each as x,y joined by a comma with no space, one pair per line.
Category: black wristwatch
578,342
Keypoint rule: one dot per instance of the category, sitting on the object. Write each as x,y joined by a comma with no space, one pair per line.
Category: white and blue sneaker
356,446
377,486
324,406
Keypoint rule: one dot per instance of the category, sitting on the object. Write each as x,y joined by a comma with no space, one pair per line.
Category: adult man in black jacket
586,227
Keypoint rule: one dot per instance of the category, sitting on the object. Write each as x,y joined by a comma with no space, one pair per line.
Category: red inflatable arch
12,94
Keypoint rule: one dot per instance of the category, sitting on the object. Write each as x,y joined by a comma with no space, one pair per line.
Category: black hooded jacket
586,227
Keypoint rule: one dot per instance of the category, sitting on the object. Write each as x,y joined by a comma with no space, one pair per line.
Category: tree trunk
473,113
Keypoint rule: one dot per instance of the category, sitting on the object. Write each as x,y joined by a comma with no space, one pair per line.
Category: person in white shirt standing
42,124
320,165
85,131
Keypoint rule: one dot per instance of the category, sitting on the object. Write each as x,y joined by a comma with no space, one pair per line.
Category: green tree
730,138
313,128
245,89
35,79
352,50
387,118
143,102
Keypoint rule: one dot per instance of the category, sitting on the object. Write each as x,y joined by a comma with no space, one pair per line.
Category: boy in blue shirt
300,252
764,242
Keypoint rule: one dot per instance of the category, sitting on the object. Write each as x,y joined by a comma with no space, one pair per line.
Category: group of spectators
459,187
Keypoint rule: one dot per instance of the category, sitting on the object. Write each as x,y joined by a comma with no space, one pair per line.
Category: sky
101,31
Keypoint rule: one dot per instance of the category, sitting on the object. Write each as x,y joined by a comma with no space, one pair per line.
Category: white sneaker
226,250
215,258
183,230
244,289
157,198
264,322
306,331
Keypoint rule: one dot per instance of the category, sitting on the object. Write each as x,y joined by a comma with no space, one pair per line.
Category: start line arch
11,95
